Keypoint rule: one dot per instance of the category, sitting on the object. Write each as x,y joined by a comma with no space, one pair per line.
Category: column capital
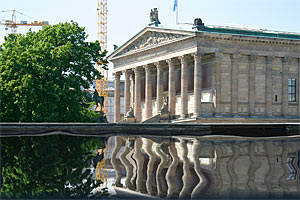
147,68
137,70
182,59
118,74
235,56
286,60
253,58
269,59
170,61
196,56
218,54
127,72
158,65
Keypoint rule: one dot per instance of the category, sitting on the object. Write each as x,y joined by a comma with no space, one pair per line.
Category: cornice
252,39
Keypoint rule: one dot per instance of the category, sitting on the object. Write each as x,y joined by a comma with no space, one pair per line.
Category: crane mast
102,84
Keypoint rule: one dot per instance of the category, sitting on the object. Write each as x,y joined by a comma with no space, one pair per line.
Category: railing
195,161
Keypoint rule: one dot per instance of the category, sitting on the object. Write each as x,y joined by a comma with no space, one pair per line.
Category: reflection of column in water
271,162
127,164
118,145
172,170
283,178
255,164
230,168
152,158
163,163
186,179
216,173
138,156
202,179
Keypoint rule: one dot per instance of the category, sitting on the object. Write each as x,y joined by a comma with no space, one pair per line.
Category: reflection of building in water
209,71
215,166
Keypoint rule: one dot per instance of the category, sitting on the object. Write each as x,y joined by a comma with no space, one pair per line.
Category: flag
175,6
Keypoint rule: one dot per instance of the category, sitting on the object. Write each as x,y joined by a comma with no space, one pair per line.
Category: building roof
236,31
188,30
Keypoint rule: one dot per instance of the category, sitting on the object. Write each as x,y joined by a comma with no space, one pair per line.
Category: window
292,90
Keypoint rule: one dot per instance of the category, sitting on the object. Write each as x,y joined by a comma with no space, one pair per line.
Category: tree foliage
43,78
44,74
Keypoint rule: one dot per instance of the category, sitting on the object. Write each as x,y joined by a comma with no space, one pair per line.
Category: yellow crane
102,84
13,24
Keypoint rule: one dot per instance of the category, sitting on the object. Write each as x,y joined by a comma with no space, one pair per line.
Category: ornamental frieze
151,39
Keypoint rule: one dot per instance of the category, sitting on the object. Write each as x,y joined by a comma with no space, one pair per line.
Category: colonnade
135,74
264,91
199,168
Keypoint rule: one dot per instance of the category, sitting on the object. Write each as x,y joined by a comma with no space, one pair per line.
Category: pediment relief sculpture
151,39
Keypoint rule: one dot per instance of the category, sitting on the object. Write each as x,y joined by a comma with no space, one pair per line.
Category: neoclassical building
209,72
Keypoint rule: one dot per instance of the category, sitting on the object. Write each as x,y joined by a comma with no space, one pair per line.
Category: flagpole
175,8
177,13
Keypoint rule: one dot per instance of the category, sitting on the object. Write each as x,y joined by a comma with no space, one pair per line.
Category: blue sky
128,17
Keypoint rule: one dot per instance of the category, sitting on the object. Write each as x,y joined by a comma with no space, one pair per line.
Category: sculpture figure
130,113
98,99
154,17
164,107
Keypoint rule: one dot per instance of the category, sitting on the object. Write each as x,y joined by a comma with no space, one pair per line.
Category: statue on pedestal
99,100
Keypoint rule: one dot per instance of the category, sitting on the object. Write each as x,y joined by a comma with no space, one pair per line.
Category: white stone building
209,72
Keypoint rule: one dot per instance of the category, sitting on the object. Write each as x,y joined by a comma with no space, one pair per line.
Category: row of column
148,88
237,169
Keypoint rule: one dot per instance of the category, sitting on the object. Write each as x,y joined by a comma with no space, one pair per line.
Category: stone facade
215,72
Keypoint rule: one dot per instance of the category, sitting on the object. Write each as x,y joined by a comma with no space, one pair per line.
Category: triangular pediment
149,38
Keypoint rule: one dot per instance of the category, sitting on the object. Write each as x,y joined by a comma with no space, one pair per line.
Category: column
132,81
252,60
172,92
269,83
137,95
216,82
160,89
184,87
298,87
127,91
148,91
285,101
197,84
117,97
234,85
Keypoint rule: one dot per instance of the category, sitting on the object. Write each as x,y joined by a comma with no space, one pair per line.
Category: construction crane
102,84
13,24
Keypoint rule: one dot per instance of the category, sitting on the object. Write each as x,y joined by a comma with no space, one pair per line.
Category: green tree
44,75
43,78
